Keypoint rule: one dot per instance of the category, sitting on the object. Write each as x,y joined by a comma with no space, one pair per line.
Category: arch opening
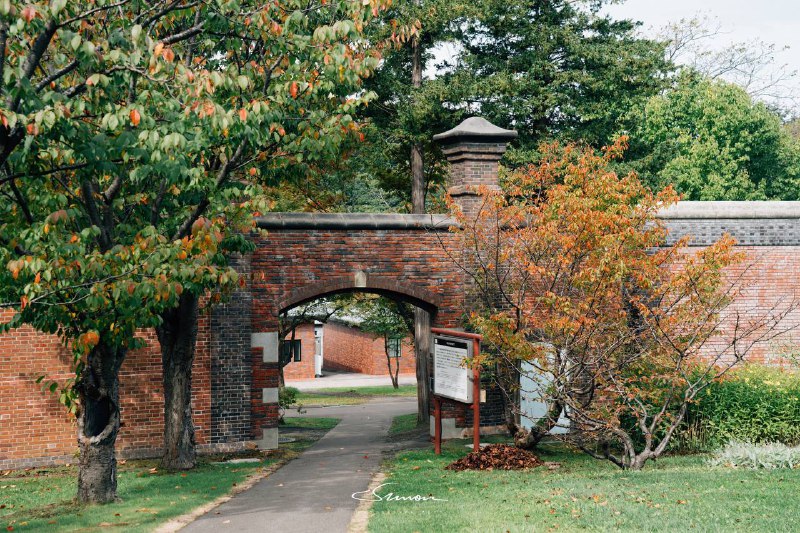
383,286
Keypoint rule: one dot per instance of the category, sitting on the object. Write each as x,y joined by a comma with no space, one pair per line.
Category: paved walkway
313,493
349,379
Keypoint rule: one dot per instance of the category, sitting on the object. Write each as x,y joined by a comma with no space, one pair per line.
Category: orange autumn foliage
576,286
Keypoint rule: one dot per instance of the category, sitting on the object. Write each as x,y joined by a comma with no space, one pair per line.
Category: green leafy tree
554,69
389,319
130,132
548,69
711,141
398,150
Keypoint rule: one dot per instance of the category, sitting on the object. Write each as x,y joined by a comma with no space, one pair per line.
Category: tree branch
222,175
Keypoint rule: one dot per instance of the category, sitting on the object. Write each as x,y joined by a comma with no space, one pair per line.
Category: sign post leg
437,425
476,398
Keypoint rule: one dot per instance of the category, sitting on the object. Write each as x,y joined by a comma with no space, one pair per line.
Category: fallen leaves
497,456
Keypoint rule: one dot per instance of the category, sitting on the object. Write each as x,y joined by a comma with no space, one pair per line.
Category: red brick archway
401,256
304,256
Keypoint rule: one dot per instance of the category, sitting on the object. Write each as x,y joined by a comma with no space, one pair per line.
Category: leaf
56,6
29,13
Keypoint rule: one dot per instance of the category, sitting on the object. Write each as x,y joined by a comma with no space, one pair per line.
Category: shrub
287,397
754,404
748,455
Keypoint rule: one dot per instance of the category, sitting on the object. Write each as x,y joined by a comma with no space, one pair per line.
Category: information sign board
451,378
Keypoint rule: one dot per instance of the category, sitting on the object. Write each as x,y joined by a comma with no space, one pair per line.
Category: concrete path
349,379
313,493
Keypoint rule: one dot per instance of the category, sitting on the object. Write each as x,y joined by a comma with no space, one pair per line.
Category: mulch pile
497,457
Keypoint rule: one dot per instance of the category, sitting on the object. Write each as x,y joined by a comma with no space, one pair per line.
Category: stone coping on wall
751,223
731,210
354,221
679,211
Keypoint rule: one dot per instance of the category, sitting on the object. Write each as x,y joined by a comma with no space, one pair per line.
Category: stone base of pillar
269,439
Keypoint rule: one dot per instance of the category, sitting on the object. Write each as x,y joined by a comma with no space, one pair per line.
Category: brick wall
36,429
769,279
407,263
351,350
304,369
398,255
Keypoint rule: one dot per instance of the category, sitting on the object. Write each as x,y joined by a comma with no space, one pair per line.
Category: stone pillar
474,149
232,365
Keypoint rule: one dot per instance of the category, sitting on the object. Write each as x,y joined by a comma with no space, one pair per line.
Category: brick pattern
231,367
33,425
493,409
747,232
472,165
410,264
769,279
351,350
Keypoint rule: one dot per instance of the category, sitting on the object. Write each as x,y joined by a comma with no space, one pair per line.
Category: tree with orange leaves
579,291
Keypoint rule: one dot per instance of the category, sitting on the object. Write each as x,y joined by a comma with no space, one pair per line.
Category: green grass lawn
404,424
46,502
309,422
674,494
43,499
351,395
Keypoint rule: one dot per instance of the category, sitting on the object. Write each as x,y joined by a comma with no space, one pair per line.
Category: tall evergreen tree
554,69
550,69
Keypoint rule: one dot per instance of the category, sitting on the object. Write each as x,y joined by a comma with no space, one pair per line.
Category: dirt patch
497,457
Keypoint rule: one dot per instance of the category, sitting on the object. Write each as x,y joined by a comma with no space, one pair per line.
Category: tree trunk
529,439
177,335
422,319
422,346
393,374
417,167
98,425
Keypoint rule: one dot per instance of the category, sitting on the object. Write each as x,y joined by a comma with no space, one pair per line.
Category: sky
773,21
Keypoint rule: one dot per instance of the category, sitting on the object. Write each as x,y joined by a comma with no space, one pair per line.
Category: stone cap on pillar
473,149
476,130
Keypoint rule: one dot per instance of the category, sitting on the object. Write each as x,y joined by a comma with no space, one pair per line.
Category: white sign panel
451,378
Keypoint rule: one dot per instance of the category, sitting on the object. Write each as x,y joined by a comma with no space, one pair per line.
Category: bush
287,397
748,455
754,404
